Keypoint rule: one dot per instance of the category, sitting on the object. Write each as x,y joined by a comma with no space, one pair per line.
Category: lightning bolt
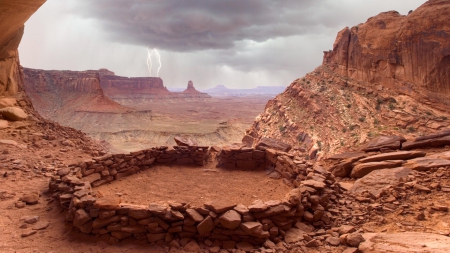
149,61
159,60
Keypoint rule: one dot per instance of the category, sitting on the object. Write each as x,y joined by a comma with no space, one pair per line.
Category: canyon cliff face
14,13
53,90
391,48
388,76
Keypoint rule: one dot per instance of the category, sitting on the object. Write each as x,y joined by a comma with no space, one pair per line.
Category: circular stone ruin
164,195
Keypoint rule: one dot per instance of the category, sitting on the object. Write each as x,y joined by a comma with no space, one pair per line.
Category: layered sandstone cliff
52,90
388,76
15,13
391,49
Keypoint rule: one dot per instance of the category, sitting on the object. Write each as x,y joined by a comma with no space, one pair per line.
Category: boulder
385,142
269,143
378,180
363,169
30,198
399,155
185,141
426,163
13,113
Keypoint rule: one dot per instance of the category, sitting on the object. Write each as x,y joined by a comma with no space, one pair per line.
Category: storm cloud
189,25
238,43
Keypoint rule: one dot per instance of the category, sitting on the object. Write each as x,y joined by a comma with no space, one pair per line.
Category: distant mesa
191,89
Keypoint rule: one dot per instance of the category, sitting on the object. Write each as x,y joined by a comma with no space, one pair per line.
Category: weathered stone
385,142
399,155
139,212
346,229
363,169
312,244
257,206
344,168
294,196
206,226
157,209
108,202
405,242
426,163
194,215
293,235
81,217
378,180
30,219
185,141
314,184
422,188
230,219
13,113
41,225
252,227
99,223
333,241
30,198
241,209
269,143
219,207
433,143
355,239
92,177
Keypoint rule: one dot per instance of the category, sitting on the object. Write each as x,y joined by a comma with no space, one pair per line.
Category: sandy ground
195,185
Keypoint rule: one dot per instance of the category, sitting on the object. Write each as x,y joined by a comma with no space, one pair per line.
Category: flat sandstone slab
405,242
195,185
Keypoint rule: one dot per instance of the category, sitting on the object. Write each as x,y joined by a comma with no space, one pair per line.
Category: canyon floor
214,121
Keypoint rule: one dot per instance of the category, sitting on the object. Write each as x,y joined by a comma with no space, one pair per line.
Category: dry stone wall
308,206
243,158
112,167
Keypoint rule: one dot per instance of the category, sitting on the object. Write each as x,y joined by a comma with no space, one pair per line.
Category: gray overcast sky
237,43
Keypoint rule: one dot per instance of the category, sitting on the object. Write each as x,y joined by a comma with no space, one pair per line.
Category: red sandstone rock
363,169
269,143
14,13
185,141
390,47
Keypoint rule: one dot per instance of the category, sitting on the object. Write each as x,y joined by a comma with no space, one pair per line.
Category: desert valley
352,157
